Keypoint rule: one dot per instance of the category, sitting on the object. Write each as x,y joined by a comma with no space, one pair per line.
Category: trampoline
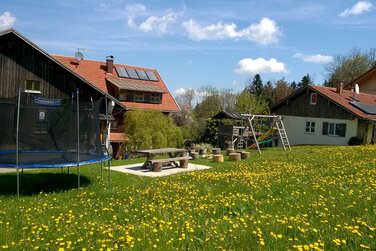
48,133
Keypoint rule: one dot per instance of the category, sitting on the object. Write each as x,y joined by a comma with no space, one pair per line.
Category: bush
355,141
151,129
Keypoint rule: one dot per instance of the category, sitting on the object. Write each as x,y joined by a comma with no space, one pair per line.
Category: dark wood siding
300,106
19,62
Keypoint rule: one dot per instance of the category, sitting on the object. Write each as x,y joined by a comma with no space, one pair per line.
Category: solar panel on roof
367,108
152,75
121,72
132,73
142,74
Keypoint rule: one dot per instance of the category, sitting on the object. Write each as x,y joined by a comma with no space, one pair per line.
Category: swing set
258,130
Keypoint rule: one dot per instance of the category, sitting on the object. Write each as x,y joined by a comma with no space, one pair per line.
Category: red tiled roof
118,137
345,99
95,72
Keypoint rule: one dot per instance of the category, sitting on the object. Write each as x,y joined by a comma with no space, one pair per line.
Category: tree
306,80
228,99
255,87
293,85
348,67
268,93
150,129
245,102
210,104
185,100
282,90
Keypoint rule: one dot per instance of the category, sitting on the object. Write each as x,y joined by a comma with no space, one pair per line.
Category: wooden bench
157,163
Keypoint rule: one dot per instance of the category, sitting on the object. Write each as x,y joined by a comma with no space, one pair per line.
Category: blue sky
196,43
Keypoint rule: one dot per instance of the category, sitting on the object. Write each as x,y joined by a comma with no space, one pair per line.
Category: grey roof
130,85
229,115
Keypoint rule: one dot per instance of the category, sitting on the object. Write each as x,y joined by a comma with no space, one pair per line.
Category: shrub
355,141
151,129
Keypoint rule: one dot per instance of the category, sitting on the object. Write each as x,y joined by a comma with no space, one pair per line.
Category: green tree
348,67
306,80
210,104
150,129
256,86
247,103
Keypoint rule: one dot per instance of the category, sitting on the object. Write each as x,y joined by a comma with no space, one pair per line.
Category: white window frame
32,90
312,125
137,97
334,129
311,102
155,98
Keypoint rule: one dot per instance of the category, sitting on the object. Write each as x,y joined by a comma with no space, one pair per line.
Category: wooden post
157,166
184,163
245,155
218,158
216,151
230,150
234,156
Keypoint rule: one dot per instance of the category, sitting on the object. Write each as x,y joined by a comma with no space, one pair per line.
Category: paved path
166,170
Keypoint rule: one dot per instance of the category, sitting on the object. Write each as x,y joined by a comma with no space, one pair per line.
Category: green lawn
309,198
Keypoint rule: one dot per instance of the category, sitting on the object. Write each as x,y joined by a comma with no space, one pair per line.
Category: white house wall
296,127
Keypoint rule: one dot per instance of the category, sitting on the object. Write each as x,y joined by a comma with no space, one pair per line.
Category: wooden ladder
282,133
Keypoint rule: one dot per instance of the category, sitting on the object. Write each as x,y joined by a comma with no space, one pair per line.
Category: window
41,127
310,127
139,96
313,98
113,124
155,98
122,96
334,129
32,86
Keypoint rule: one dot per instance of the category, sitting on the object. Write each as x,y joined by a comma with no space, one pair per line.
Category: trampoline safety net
48,132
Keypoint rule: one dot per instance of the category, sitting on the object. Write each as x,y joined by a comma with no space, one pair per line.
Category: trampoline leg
109,172
68,169
22,171
78,175
18,183
61,169
101,169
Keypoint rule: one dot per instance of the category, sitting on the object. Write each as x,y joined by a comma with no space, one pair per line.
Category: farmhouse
41,75
133,87
327,116
366,82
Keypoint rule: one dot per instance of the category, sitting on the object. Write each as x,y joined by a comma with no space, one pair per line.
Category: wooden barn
41,76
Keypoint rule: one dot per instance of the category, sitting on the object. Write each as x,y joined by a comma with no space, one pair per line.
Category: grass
314,197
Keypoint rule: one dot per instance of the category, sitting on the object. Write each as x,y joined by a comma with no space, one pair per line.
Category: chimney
109,64
340,88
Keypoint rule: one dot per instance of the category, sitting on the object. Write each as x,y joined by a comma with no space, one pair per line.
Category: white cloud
134,8
259,65
159,24
235,82
180,91
314,58
6,20
265,32
358,8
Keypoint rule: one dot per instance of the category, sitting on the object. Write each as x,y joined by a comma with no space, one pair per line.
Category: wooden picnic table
152,153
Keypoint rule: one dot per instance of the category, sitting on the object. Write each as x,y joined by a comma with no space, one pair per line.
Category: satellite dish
79,56
357,88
